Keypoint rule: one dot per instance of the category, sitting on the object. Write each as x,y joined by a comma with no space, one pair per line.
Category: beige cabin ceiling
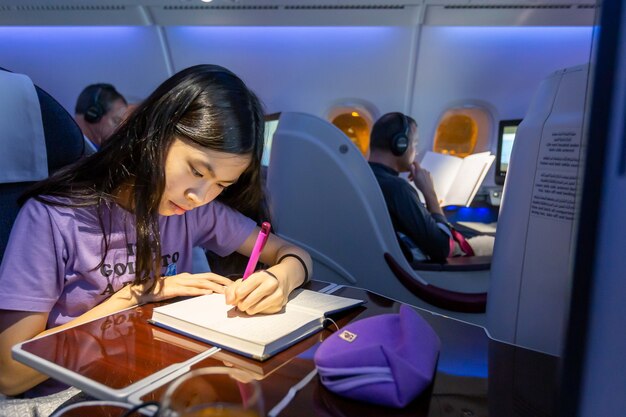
296,12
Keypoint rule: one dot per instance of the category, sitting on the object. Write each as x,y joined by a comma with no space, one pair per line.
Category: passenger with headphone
100,109
393,149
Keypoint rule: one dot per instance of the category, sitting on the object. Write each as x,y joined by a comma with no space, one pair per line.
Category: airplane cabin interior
536,85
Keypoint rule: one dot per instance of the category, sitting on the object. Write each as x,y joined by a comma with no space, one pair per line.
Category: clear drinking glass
95,408
213,392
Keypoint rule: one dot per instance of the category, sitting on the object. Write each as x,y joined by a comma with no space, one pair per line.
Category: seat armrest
459,263
439,297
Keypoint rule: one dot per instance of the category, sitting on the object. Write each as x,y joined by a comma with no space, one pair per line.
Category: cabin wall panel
497,67
308,69
63,60
305,69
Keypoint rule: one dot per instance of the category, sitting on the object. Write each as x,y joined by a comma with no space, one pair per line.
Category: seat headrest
23,157
39,135
64,140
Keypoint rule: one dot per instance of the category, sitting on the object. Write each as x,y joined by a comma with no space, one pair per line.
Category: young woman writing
117,228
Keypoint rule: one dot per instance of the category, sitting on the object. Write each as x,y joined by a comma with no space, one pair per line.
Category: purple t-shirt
52,254
50,261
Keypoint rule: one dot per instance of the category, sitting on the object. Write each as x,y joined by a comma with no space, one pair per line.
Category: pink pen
258,247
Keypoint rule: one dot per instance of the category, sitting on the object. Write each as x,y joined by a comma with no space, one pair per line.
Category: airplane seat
530,270
38,137
419,261
323,196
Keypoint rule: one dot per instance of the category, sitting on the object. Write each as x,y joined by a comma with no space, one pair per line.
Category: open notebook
210,319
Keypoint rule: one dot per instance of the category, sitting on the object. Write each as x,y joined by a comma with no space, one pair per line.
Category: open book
457,180
210,319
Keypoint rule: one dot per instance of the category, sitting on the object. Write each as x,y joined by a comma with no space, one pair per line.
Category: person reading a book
393,142
117,228
423,230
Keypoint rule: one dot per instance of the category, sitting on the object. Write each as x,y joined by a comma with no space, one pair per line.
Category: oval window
356,128
355,119
461,131
456,135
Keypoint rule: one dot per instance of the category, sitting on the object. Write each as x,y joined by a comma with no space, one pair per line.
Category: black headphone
95,111
400,141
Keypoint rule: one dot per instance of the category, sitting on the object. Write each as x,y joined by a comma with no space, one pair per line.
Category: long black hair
205,104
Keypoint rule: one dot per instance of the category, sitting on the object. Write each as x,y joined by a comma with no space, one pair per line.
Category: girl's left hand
185,284
259,293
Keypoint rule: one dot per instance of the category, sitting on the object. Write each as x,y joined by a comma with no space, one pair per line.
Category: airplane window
456,135
462,131
355,118
354,125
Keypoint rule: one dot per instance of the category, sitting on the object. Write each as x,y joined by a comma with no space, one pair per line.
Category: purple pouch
387,359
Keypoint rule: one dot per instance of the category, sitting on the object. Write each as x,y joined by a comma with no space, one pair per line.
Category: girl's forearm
294,266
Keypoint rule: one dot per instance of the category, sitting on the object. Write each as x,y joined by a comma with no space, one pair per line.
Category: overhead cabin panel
288,15
297,13
522,14
60,14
